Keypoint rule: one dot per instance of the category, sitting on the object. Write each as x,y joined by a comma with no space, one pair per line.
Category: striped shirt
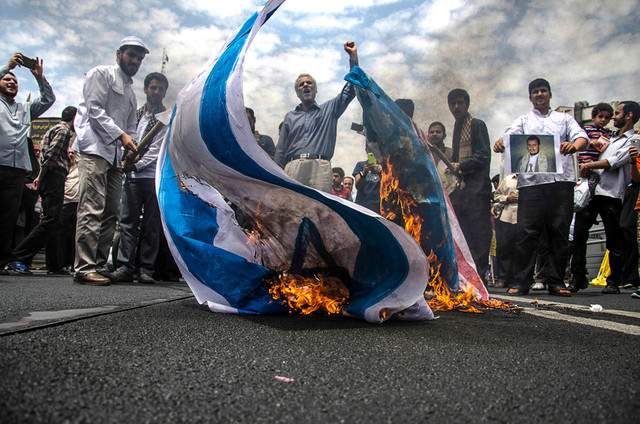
591,154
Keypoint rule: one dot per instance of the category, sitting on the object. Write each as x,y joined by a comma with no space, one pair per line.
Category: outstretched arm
351,49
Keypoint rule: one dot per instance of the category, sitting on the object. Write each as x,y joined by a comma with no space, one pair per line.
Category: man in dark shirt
308,135
50,183
471,158
368,175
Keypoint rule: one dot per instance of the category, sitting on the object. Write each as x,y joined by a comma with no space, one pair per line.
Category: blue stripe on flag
192,226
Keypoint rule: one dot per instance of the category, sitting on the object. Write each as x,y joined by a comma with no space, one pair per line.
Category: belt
309,156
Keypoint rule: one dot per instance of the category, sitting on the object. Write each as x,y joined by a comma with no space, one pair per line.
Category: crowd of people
107,178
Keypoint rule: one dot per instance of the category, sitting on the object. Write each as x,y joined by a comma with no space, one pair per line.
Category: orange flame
393,199
307,295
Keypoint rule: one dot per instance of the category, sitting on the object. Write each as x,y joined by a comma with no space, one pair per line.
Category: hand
584,170
36,182
37,71
368,167
128,142
633,152
15,60
350,48
499,146
567,148
512,198
456,168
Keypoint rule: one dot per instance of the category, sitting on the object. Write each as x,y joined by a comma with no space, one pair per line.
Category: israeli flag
210,160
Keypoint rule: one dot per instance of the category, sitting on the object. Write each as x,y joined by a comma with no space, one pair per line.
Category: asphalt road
135,353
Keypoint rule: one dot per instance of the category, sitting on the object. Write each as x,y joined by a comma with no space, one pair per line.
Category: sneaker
636,294
538,286
20,268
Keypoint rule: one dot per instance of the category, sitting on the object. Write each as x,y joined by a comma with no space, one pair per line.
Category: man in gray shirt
308,136
106,122
15,121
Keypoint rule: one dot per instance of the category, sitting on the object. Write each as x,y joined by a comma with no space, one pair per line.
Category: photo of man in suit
535,160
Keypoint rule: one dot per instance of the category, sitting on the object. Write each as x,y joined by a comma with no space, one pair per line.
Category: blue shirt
15,122
312,131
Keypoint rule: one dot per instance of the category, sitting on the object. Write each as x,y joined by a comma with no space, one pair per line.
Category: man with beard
615,175
308,135
105,123
15,122
535,160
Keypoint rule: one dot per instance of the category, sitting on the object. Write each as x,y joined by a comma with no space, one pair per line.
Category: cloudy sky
588,50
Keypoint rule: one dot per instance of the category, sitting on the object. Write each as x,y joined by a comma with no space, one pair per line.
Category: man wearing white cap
106,121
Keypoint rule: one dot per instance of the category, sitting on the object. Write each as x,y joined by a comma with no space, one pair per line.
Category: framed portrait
532,154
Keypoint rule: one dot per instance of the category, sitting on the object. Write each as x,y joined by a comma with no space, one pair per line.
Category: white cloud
417,49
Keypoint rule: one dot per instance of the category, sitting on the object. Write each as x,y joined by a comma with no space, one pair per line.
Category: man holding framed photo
545,202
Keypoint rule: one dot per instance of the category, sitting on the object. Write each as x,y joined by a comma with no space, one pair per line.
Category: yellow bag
605,271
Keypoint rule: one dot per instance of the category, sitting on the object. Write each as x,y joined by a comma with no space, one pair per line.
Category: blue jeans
138,198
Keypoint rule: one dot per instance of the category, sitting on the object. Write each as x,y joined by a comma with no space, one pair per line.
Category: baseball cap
133,41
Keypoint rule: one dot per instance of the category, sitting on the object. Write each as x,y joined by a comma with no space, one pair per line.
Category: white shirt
533,162
613,182
552,123
107,110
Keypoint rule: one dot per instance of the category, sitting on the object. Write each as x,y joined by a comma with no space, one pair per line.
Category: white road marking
634,330
600,323
521,300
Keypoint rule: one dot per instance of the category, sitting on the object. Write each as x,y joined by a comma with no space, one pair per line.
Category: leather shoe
574,286
120,277
146,279
91,279
609,289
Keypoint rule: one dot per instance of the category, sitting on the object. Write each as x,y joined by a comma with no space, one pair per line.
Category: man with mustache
308,136
105,123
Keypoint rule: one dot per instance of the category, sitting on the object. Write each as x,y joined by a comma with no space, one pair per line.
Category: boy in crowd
600,115
337,188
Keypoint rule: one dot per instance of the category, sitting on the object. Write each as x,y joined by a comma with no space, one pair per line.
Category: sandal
559,291
517,292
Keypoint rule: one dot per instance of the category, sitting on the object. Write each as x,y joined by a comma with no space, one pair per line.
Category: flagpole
165,59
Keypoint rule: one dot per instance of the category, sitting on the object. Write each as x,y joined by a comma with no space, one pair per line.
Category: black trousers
11,186
61,249
51,190
506,236
609,210
629,228
543,209
474,215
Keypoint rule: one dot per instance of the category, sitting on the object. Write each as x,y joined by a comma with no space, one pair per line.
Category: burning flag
412,193
294,240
